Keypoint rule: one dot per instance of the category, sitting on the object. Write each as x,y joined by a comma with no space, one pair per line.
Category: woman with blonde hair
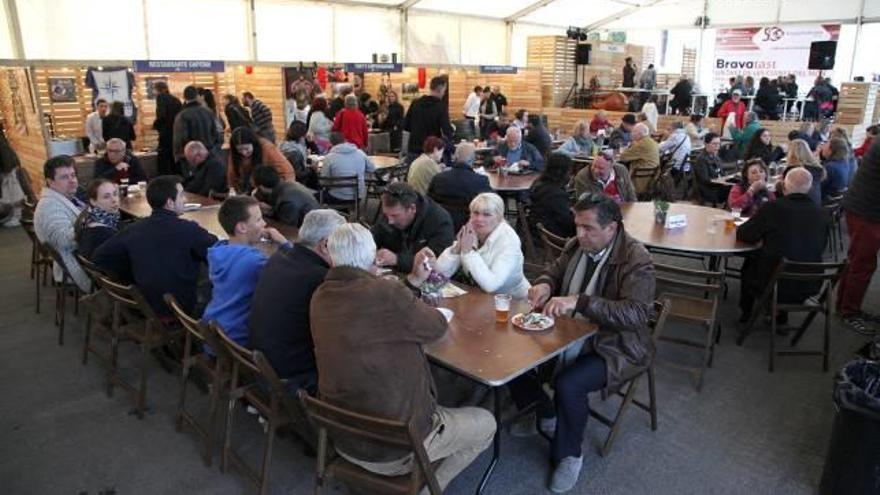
799,155
487,250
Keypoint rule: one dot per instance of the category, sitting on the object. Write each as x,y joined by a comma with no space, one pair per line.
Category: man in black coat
161,253
410,222
427,116
681,92
205,173
195,122
279,321
167,108
459,184
793,227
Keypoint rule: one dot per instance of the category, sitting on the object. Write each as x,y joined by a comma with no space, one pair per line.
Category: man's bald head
195,152
798,180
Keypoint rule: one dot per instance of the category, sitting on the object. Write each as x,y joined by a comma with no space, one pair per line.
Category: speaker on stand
822,55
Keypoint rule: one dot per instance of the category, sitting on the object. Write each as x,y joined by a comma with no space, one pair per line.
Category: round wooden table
384,161
694,238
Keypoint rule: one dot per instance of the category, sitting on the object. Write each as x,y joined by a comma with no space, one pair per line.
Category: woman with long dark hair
550,200
117,125
236,114
207,97
760,146
751,193
393,121
247,150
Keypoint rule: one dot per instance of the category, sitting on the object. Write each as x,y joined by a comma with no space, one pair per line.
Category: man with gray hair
279,321
643,154
352,123
455,187
205,173
369,334
119,163
793,227
515,150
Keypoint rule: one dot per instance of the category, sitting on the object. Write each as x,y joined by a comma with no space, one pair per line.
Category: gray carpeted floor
748,431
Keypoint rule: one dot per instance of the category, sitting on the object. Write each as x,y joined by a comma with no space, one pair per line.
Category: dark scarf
103,217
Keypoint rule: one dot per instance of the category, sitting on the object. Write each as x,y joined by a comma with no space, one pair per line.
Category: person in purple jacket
234,265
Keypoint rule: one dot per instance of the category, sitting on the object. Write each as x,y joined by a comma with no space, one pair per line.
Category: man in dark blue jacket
279,317
161,253
459,184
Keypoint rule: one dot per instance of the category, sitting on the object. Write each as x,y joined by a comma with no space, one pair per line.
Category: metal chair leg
652,397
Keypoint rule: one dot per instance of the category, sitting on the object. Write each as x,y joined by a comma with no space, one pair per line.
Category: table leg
496,442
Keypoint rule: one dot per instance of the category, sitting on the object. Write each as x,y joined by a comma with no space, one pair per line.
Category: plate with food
533,322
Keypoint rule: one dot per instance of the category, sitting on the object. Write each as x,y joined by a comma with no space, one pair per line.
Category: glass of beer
502,307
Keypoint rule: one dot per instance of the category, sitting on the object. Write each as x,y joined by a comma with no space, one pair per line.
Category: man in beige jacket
643,154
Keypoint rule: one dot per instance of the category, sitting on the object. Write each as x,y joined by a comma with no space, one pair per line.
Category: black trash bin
852,466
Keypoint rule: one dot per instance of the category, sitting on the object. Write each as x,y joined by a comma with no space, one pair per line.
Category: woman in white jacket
487,250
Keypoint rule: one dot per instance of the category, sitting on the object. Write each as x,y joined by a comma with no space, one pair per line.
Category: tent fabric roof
635,14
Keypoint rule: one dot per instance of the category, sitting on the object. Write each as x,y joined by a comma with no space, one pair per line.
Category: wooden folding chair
628,389
98,315
66,286
553,244
41,261
458,211
348,183
828,274
524,229
643,180
248,383
199,337
135,320
333,420
693,297
833,208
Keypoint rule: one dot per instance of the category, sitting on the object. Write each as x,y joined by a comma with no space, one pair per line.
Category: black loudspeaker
822,55
582,54
393,58
375,58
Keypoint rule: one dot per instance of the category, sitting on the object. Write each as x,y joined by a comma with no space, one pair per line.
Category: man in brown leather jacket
607,277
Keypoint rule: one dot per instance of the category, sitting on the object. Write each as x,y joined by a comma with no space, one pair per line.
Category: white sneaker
566,474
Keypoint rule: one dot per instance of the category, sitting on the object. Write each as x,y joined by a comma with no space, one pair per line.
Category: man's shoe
566,474
858,324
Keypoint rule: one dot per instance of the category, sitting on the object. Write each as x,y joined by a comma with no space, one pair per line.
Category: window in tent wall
362,31
432,39
196,29
290,31
53,29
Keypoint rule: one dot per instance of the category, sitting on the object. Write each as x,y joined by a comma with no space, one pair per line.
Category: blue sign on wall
497,69
179,66
373,67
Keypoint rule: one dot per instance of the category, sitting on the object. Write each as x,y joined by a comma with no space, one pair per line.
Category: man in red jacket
352,123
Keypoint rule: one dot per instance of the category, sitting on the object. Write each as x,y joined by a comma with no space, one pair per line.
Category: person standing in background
261,114
167,107
499,98
629,73
94,129
117,125
472,108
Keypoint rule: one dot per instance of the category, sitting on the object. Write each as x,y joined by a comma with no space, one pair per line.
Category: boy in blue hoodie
234,265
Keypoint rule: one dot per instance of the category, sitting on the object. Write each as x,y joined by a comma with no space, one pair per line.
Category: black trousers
572,405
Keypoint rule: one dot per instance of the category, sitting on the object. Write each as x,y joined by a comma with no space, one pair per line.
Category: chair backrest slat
338,420
688,280
239,354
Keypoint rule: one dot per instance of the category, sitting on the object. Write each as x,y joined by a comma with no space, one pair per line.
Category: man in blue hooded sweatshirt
235,264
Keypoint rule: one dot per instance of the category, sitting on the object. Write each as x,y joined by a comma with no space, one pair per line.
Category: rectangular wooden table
494,354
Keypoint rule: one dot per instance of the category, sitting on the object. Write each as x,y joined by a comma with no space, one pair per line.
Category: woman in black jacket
236,115
767,100
550,200
393,121
761,147
117,125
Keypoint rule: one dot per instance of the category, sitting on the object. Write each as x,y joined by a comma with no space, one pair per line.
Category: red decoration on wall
423,77
248,69
322,77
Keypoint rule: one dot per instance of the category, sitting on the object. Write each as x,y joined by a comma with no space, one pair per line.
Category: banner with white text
769,51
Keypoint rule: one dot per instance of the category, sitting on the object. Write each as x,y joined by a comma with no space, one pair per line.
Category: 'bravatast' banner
769,51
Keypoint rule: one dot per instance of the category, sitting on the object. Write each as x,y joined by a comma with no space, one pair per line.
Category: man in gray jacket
56,214
345,160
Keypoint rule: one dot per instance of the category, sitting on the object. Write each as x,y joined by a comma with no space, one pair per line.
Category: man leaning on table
368,334
607,277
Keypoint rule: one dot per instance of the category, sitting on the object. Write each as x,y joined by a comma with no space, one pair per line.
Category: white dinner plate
447,313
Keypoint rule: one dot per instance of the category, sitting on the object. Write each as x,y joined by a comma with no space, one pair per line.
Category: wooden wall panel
267,85
21,121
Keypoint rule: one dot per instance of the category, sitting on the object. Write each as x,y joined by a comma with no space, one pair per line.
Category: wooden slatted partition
267,85
554,55
21,121
68,118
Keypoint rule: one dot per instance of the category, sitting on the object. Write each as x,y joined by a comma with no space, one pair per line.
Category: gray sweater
54,221
346,160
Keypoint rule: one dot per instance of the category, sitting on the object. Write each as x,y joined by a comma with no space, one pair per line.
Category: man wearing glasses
118,163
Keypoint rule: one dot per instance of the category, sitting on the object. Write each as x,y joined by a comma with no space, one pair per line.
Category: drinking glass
502,307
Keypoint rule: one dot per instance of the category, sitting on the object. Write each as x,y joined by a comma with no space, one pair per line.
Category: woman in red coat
735,106
352,123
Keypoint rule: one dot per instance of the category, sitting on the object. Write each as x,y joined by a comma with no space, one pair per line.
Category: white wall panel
195,29
360,32
293,31
483,42
80,29
433,39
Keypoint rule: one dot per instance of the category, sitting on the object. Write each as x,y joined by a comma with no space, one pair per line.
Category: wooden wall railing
19,111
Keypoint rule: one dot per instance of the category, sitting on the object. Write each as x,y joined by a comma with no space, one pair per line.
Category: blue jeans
572,405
